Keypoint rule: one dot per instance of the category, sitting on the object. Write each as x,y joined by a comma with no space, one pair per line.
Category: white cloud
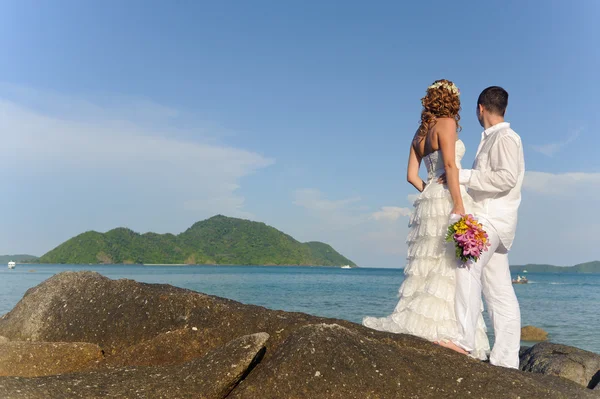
556,213
557,219
198,172
335,215
353,229
88,158
412,197
314,200
389,241
391,213
562,184
347,211
552,148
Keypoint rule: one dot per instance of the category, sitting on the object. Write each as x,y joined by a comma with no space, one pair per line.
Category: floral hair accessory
448,86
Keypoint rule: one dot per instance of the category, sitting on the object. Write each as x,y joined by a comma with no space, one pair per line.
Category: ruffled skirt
426,305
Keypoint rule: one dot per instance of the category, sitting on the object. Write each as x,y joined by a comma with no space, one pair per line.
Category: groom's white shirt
495,181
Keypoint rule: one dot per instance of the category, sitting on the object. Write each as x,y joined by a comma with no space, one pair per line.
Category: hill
218,240
588,267
18,258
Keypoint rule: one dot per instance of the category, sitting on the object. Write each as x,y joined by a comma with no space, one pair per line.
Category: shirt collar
493,129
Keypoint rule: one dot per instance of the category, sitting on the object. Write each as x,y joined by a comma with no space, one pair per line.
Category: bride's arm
446,130
412,172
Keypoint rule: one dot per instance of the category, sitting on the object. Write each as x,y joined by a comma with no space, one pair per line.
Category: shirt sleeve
504,172
464,175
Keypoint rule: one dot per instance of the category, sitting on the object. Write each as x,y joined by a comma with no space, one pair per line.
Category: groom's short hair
494,99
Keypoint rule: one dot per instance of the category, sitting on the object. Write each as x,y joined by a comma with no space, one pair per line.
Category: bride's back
428,148
425,145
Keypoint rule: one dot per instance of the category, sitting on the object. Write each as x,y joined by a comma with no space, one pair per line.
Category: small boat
520,280
11,265
346,267
524,271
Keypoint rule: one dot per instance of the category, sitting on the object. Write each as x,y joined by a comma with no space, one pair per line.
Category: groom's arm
504,173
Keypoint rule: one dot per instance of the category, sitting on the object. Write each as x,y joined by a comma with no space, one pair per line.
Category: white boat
346,267
520,280
11,265
524,271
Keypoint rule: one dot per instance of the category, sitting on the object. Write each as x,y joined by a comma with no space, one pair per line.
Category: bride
426,305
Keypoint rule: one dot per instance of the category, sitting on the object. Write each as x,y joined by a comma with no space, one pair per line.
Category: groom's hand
442,179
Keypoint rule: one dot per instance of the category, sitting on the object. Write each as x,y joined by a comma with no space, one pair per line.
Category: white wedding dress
426,305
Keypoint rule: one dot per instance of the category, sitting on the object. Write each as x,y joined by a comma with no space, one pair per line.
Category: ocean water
565,305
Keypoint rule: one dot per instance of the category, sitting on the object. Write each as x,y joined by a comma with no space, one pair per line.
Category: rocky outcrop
533,334
118,314
330,361
213,376
33,359
574,364
147,331
172,347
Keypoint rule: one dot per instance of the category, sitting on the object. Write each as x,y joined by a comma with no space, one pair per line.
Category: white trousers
490,275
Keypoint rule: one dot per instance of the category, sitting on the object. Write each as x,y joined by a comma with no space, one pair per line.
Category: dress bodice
435,162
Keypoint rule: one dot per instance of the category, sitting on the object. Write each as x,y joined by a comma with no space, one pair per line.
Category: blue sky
152,115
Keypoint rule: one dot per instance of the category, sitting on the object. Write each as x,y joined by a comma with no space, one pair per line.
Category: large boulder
117,314
213,376
564,361
331,361
145,330
533,334
33,359
168,348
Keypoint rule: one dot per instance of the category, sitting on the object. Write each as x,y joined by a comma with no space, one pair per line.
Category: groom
495,185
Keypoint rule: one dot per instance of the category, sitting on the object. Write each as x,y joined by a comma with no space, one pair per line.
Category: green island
588,267
219,240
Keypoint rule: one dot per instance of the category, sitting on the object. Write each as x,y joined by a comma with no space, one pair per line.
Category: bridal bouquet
470,240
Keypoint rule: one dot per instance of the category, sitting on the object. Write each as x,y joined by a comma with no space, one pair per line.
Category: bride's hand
458,210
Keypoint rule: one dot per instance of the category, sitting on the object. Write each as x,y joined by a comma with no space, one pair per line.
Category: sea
565,305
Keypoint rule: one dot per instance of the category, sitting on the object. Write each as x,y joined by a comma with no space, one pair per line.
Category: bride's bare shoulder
445,126
444,122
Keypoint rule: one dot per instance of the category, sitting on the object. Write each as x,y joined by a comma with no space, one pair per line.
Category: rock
535,334
32,359
574,364
213,376
169,348
331,361
306,356
118,314
522,350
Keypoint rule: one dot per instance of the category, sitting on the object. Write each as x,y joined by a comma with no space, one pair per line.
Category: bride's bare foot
453,346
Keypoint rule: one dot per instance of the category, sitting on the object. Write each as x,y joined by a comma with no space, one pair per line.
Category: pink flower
460,238
471,251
